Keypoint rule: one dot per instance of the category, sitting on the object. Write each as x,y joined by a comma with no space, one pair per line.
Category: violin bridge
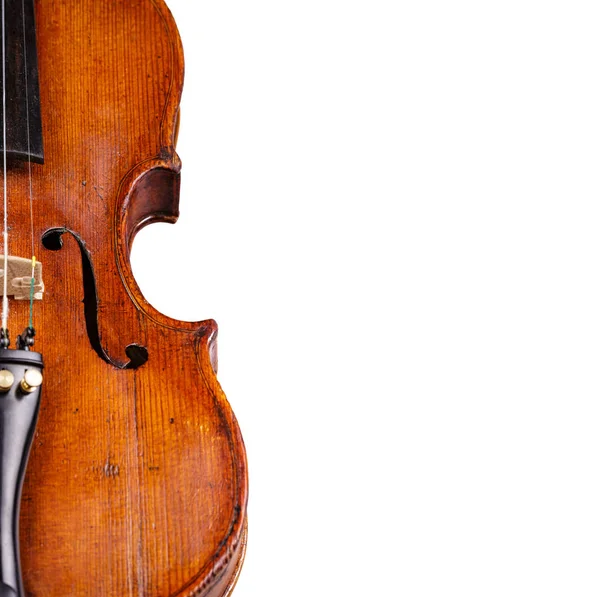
19,279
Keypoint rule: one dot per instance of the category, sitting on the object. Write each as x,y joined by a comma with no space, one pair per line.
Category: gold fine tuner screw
31,381
7,379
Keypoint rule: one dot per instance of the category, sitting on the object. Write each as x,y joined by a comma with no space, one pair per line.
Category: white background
392,208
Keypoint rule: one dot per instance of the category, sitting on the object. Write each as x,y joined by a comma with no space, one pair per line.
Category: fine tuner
32,379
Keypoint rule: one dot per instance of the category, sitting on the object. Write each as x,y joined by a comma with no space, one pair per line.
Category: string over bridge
19,279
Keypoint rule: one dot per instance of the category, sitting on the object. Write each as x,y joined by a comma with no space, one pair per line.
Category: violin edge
228,583
149,193
219,577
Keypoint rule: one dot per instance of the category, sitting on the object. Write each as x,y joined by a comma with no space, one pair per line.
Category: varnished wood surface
137,481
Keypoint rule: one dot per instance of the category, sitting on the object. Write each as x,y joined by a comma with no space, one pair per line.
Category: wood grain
137,481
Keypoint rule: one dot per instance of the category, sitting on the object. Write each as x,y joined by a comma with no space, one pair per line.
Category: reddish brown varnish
136,483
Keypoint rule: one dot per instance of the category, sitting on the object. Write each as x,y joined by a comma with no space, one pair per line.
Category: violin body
136,482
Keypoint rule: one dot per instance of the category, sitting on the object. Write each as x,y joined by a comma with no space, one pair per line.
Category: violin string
32,283
5,202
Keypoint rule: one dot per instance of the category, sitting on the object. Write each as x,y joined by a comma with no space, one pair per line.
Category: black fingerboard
23,118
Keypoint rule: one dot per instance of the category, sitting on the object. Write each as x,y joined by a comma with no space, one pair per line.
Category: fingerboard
23,118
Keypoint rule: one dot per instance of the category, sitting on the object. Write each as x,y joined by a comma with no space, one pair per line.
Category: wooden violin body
136,482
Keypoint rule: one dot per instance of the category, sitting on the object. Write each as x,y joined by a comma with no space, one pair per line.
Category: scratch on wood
111,470
97,189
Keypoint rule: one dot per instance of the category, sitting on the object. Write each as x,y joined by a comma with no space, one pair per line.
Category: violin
122,466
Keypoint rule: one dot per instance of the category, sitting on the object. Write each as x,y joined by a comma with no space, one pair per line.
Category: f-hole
137,354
